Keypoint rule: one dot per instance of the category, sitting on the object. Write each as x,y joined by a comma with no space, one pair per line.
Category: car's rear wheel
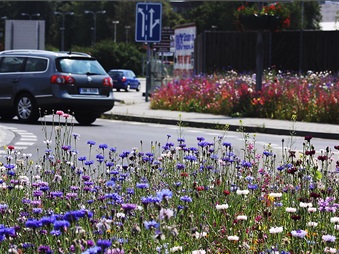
26,109
127,88
85,119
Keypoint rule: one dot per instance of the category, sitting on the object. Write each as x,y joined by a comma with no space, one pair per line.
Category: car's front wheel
26,109
138,88
85,119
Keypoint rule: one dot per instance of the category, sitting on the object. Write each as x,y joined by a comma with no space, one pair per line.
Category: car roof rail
27,51
75,53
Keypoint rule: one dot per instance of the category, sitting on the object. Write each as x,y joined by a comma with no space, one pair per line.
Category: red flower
226,192
199,188
184,174
10,148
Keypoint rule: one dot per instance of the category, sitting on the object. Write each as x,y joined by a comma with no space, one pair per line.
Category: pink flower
60,112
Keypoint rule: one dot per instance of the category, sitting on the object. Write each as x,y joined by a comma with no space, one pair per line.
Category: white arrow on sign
152,25
143,22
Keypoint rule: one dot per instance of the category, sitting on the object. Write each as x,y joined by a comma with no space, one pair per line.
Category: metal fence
297,51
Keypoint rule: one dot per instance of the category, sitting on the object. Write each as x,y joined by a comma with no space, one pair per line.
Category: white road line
23,143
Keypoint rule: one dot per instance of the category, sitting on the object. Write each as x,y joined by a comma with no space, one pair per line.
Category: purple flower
61,224
142,185
103,146
151,224
299,233
91,143
128,207
31,223
328,238
186,199
104,243
164,193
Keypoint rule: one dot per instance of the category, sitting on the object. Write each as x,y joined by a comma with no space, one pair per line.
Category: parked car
124,79
36,82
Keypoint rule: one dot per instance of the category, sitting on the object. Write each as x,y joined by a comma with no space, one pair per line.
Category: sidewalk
137,109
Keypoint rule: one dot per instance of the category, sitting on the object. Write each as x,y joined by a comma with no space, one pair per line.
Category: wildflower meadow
172,198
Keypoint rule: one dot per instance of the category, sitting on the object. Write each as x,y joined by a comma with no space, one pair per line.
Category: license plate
89,91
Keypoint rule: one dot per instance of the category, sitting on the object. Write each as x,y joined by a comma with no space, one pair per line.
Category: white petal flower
291,209
241,217
221,207
334,219
275,195
233,238
275,230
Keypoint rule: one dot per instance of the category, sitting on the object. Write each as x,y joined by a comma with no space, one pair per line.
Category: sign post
148,29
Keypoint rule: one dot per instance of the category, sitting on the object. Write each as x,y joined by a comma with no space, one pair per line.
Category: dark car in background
124,80
38,82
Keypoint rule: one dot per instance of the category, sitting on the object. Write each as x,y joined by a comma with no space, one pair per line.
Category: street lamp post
62,29
30,15
95,23
127,28
115,22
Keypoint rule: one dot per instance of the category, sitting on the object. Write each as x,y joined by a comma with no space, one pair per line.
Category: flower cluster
311,97
205,197
276,10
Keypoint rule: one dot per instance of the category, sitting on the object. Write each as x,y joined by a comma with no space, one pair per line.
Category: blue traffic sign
148,22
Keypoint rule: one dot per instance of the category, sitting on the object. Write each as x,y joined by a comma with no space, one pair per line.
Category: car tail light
123,79
62,79
108,82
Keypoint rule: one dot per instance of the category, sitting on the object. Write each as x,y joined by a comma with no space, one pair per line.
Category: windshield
80,66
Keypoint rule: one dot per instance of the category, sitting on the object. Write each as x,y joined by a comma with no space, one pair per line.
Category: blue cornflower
47,220
267,153
164,193
61,224
281,168
31,223
103,146
180,166
200,139
93,250
113,149
181,140
150,199
142,185
246,164
186,199
45,249
226,144
91,143
56,194
100,158
37,210
9,166
55,232
90,162
130,191
83,158
110,184
252,186
190,158
104,243
151,224
109,164
124,154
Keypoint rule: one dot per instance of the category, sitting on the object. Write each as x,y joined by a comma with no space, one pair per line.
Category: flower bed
312,98
171,198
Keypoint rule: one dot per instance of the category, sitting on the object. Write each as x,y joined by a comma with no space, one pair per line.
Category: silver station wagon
34,83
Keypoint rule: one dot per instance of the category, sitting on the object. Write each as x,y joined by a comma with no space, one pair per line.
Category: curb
250,129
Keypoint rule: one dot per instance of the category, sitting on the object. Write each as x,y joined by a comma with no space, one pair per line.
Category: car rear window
80,66
116,74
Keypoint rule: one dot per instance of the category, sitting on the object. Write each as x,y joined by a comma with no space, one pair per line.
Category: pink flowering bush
312,98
